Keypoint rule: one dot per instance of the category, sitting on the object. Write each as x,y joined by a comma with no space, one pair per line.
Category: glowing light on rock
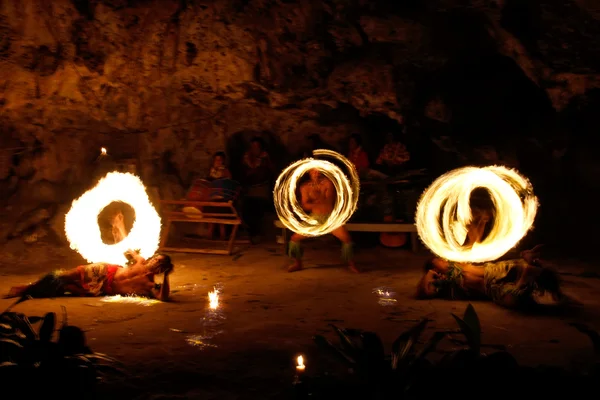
288,207
103,151
81,222
213,299
448,200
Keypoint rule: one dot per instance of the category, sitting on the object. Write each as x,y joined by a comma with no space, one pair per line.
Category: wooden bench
390,227
172,212
203,207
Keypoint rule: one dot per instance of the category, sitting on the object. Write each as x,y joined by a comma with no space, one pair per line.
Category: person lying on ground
518,283
103,279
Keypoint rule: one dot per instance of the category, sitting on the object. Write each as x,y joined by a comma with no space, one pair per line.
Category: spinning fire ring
288,208
81,222
448,200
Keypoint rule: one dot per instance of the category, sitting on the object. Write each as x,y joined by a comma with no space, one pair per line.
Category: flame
213,299
81,225
513,199
142,301
300,361
290,211
103,151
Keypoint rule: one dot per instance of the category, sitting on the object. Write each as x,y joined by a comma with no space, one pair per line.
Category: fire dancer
317,196
102,279
509,283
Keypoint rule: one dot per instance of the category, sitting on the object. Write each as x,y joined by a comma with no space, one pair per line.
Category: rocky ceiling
185,77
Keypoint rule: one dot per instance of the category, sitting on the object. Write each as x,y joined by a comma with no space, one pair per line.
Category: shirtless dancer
102,279
512,283
317,197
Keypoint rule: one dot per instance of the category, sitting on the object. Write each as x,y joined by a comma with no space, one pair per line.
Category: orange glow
213,299
448,200
288,208
81,222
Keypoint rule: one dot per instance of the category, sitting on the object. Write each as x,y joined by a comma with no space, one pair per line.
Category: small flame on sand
300,363
213,298
103,151
142,301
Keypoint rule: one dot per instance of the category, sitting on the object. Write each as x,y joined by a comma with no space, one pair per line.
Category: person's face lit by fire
353,144
255,148
314,174
218,162
428,284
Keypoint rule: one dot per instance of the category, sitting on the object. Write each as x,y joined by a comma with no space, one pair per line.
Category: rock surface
189,78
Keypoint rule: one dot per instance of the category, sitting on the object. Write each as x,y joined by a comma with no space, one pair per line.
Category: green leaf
47,328
470,317
99,356
404,344
472,340
373,350
346,341
326,345
430,346
11,342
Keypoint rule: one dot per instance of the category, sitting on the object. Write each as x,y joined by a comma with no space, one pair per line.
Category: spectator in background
356,154
393,154
314,142
258,174
218,169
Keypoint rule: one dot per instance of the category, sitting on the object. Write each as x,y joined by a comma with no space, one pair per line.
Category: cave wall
183,79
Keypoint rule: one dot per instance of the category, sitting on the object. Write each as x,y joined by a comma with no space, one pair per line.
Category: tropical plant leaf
103,368
465,329
346,341
25,326
326,345
373,347
47,328
35,319
8,364
404,344
6,329
99,356
429,346
472,319
11,342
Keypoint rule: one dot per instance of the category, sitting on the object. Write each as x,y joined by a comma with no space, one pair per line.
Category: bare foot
297,266
352,267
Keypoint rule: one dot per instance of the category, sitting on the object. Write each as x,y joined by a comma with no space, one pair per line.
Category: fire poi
291,213
81,222
448,200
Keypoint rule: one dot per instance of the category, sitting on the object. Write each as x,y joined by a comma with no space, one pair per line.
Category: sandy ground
268,316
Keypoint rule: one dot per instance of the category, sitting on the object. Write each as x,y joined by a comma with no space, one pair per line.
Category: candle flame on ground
448,200
81,222
290,212
301,362
213,299
103,151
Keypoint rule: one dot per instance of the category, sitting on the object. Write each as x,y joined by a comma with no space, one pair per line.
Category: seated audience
314,142
393,154
357,155
258,173
218,169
